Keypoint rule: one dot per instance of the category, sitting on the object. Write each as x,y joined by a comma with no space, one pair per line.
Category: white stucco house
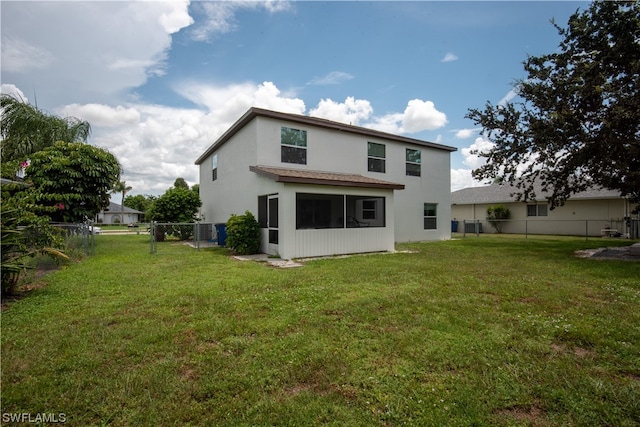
320,187
596,212
113,214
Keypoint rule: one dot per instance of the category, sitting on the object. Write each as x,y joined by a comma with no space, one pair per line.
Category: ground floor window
537,210
430,216
319,211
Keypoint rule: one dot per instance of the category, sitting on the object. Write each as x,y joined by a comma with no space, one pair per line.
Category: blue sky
160,81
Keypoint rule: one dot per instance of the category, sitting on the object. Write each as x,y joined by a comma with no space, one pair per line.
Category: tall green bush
243,234
497,216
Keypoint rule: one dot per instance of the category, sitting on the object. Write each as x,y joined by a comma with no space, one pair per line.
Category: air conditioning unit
470,227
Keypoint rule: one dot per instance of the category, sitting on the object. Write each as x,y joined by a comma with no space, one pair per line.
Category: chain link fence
626,228
197,235
80,237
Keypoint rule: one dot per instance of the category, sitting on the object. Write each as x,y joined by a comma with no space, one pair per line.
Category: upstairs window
413,162
293,145
537,210
214,164
375,157
430,216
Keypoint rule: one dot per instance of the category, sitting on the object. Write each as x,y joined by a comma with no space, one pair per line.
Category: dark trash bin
454,226
221,231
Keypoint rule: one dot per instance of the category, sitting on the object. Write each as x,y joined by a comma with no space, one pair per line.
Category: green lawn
478,331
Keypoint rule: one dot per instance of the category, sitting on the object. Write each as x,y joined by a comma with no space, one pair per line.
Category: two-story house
320,187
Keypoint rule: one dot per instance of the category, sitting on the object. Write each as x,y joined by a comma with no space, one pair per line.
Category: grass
478,331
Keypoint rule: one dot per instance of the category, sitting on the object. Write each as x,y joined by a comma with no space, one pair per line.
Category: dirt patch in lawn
529,414
618,253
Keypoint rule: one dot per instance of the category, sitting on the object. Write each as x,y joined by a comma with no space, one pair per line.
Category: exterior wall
576,217
110,218
310,243
433,186
334,151
236,189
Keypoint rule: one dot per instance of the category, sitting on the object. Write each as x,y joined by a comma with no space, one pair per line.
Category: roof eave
319,181
297,180
313,121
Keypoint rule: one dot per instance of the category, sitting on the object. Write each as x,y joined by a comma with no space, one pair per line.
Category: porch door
272,219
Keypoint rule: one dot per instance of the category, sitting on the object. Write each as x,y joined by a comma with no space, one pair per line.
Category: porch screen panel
365,211
262,211
318,211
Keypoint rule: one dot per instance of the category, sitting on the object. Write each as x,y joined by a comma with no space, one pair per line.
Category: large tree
176,205
141,203
575,122
72,180
26,129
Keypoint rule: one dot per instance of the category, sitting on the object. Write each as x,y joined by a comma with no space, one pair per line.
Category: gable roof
254,112
323,178
115,208
504,193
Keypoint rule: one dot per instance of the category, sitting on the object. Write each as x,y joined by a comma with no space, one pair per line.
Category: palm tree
122,187
26,129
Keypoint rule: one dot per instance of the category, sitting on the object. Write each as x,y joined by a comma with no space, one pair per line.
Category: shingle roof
504,193
116,208
323,178
313,121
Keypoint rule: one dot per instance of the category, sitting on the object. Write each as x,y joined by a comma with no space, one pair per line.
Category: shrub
243,234
497,215
19,243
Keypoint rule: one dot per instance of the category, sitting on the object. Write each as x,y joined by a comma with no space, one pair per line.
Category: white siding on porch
296,243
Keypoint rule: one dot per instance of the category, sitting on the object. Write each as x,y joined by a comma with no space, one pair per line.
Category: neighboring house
319,187
595,212
113,215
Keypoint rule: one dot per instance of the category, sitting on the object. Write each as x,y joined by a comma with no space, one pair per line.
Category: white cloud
220,15
97,51
449,57
102,115
422,115
333,78
268,96
352,111
462,178
19,55
9,89
176,18
464,133
157,144
274,6
230,102
391,123
474,161
418,115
